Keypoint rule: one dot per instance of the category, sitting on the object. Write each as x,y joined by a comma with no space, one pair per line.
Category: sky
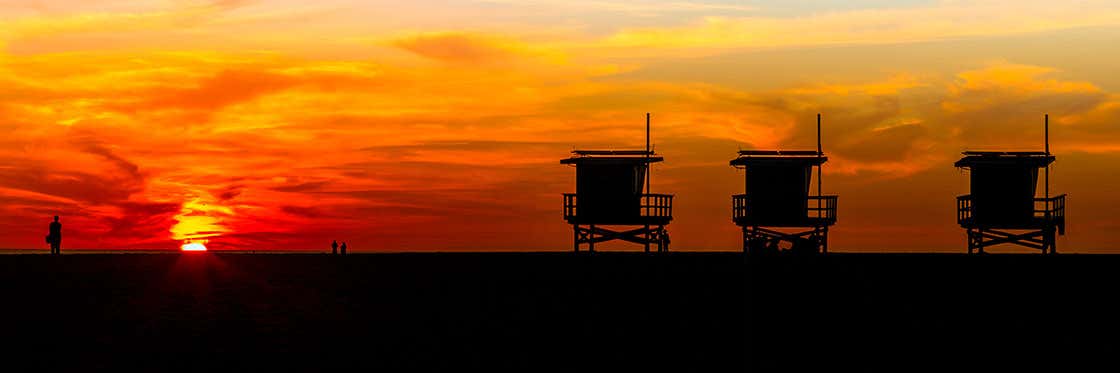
439,125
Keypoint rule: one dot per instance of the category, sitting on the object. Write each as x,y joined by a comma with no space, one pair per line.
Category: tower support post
645,235
1043,239
647,240
760,240
591,239
575,237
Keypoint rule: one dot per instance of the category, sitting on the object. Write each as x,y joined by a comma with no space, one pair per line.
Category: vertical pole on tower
820,153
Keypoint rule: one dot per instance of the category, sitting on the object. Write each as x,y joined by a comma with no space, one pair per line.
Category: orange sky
439,125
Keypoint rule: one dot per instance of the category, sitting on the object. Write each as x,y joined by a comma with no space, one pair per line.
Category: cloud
636,8
52,23
1093,131
1005,102
305,212
138,223
97,148
941,21
1003,83
225,88
893,85
228,192
308,186
883,144
74,177
459,47
454,47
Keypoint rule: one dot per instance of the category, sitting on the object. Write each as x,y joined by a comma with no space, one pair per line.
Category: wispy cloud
941,21
637,8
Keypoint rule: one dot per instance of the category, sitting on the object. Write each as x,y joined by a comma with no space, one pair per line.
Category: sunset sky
438,125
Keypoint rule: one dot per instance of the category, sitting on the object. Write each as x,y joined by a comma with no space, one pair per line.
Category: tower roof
611,157
774,157
1005,159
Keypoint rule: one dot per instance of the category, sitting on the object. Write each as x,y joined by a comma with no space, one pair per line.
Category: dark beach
536,311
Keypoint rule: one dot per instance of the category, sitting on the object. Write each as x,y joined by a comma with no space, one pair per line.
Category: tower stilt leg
591,239
968,237
1051,241
575,237
824,240
646,243
746,241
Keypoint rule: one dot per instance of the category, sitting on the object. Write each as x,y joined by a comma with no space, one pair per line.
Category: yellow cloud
1000,83
942,21
471,48
171,17
892,86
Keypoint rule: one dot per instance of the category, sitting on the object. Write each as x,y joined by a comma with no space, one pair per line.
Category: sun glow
193,246
198,219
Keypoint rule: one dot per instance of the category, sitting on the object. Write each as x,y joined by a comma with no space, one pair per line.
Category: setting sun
193,246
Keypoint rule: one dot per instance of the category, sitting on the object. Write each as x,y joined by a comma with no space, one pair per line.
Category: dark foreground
628,312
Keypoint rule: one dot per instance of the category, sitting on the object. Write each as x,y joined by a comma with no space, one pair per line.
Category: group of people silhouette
337,249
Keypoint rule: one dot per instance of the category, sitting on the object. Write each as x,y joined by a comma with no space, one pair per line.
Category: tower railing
1049,209
822,207
657,205
652,205
1053,208
569,205
964,208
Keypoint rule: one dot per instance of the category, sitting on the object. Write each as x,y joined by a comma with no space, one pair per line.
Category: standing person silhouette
334,247
342,249
55,236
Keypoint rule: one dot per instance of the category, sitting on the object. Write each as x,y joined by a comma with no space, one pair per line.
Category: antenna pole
648,169
820,153
1046,141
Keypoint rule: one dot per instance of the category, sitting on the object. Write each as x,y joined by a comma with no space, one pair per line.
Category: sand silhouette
621,311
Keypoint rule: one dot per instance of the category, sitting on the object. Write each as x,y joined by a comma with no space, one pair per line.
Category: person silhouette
342,249
55,236
334,247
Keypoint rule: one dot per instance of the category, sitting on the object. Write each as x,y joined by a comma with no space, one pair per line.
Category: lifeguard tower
776,206
1002,206
609,193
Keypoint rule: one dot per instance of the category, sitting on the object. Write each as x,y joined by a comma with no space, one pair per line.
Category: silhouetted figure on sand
334,247
342,249
54,238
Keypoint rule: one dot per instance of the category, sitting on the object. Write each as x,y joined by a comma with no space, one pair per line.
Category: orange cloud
1001,83
227,87
455,47
1003,104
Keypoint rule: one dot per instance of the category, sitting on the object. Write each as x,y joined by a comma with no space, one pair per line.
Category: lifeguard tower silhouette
776,205
1002,207
609,193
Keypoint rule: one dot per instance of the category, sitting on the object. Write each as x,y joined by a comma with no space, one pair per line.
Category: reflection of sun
193,246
